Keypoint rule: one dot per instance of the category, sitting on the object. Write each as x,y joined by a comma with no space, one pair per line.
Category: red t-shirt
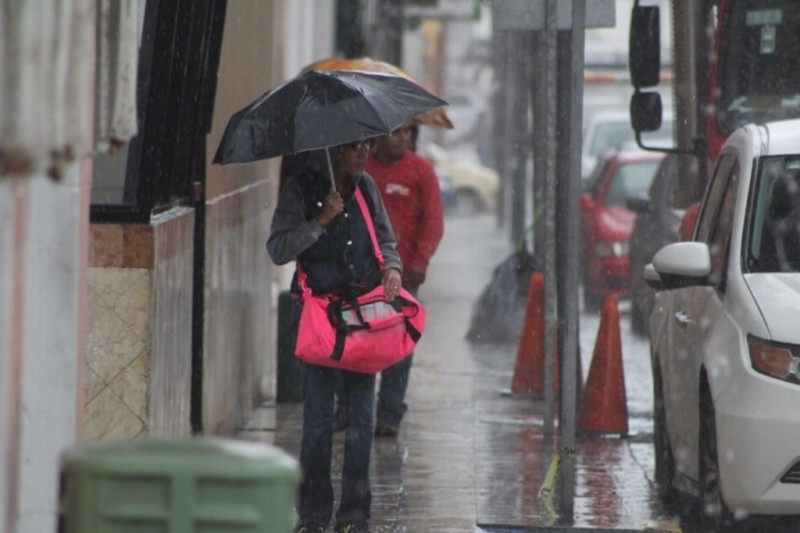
410,191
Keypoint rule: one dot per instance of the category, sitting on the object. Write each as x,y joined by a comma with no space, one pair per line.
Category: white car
610,130
475,187
725,336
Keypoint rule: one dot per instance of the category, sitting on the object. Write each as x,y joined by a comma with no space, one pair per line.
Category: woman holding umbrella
324,230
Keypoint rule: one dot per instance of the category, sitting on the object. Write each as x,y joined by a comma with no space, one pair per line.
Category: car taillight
611,249
773,359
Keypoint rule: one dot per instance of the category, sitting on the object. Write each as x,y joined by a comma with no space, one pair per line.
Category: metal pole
520,135
550,209
501,76
389,26
571,50
539,106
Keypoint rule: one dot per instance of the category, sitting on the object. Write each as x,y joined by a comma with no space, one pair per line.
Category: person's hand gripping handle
332,205
391,281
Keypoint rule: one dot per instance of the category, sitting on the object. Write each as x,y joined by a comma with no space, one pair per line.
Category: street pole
390,23
570,113
550,207
539,107
500,51
520,135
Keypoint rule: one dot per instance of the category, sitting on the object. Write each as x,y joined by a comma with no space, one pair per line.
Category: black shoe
386,429
357,527
310,528
339,420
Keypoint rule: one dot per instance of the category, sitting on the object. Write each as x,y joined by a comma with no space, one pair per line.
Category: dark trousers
394,382
316,491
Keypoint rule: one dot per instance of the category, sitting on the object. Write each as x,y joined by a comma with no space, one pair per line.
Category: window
178,57
716,217
760,62
630,179
774,235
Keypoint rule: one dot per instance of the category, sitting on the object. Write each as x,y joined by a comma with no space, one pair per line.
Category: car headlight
611,249
774,359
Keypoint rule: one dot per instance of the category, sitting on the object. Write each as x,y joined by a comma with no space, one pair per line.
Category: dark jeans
316,491
394,382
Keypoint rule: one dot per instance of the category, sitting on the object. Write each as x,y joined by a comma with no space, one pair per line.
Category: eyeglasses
361,145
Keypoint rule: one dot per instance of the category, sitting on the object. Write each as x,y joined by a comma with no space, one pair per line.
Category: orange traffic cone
604,406
529,367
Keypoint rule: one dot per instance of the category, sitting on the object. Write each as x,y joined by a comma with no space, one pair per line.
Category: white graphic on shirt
397,188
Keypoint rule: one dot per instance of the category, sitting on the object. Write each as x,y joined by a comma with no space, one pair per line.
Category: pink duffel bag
365,334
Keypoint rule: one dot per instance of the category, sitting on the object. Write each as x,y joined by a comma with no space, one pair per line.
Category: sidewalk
470,459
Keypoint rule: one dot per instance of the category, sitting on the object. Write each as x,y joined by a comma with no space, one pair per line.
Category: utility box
178,486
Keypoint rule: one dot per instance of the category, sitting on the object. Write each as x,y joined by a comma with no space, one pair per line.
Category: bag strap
362,203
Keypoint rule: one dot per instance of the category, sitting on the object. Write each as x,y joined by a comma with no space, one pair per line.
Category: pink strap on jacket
362,203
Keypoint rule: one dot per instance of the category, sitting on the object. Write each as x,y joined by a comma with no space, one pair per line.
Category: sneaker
357,527
386,429
339,420
310,528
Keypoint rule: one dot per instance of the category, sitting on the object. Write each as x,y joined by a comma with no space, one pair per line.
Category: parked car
606,222
475,186
724,336
610,130
446,187
656,225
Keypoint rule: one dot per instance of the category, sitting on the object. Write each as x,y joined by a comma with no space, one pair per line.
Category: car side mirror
652,279
639,204
644,45
646,112
683,264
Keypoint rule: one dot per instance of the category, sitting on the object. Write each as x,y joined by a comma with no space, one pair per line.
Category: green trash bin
188,485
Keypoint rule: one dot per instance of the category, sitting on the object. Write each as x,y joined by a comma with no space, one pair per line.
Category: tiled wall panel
139,343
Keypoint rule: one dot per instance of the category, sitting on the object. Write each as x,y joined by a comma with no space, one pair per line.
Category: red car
606,222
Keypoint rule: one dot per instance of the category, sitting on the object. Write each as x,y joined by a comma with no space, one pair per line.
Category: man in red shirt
410,191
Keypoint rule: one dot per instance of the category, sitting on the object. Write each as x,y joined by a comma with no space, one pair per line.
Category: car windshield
775,223
630,179
612,135
760,72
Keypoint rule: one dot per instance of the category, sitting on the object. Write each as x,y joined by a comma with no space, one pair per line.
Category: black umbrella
321,109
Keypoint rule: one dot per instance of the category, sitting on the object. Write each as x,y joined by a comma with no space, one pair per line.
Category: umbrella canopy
434,117
321,109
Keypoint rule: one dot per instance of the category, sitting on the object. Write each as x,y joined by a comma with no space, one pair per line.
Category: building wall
138,365
170,354
13,214
264,44
49,372
127,326
239,361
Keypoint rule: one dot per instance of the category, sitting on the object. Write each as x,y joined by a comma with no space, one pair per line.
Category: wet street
470,458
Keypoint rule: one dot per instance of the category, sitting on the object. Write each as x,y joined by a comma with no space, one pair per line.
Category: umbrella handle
330,168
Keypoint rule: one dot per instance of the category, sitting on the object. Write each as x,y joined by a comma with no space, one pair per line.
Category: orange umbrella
434,117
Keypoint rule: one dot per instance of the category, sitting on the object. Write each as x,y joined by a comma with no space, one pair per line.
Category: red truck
734,62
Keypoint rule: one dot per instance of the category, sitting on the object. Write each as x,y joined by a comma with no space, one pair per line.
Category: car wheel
713,508
466,203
